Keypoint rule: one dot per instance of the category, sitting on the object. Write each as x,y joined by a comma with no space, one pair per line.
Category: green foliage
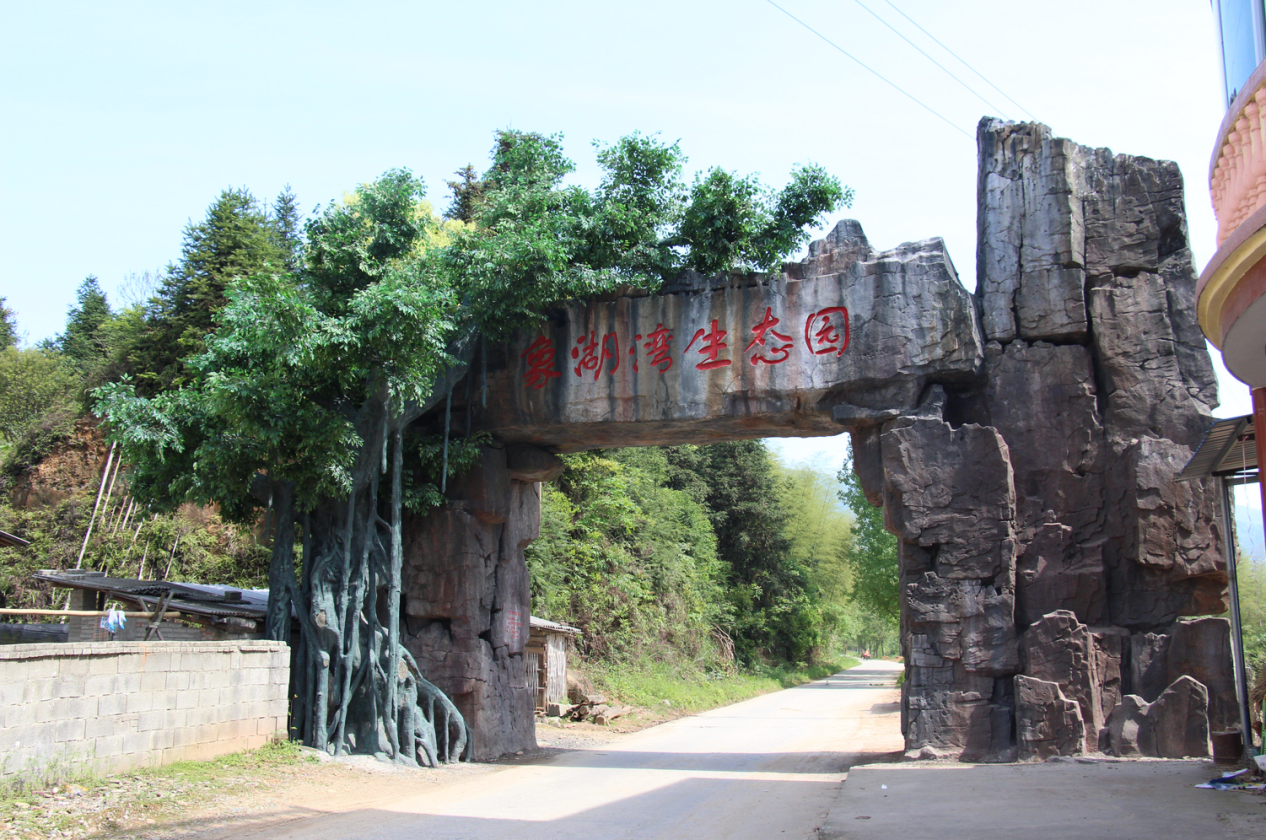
669,688
356,244
734,223
770,595
820,533
467,192
874,552
624,557
292,356
534,242
284,223
694,554
83,344
195,543
8,326
34,383
236,239
1251,577
423,486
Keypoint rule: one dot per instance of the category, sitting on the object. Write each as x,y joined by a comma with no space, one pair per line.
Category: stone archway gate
1022,440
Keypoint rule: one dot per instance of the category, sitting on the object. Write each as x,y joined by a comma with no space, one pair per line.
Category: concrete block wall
111,706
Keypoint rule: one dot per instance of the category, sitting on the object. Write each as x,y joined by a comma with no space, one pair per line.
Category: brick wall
117,705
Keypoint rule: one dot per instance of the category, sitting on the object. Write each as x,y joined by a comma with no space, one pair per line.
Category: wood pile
591,708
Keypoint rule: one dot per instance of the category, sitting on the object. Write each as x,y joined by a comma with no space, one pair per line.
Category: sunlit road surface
769,767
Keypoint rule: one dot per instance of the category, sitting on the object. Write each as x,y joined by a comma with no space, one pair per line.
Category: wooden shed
546,660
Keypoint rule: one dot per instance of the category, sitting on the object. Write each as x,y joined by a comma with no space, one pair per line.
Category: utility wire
960,58
871,70
944,69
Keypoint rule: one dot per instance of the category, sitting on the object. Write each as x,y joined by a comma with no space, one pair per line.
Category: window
1241,24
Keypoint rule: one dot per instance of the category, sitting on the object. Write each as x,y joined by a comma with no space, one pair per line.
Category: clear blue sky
122,121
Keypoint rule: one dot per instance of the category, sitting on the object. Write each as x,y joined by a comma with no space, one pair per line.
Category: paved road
769,767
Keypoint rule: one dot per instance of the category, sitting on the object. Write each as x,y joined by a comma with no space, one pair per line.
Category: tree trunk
355,688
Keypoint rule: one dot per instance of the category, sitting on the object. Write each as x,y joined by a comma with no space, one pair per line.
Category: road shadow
744,809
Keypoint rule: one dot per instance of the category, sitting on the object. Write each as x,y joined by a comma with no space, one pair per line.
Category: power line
871,70
960,58
931,59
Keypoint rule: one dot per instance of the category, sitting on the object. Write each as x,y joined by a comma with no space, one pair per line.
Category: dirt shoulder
270,786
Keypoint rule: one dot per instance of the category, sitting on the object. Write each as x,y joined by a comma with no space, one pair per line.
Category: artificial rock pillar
467,600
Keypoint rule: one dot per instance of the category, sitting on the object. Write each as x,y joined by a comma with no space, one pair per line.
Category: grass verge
661,687
85,805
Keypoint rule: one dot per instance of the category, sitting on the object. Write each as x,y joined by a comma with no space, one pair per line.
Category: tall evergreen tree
287,230
467,193
83,342
8,326
236,239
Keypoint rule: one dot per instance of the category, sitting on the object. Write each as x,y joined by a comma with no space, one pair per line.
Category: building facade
1232,289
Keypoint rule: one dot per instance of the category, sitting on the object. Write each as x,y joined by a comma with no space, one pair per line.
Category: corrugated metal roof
552,626
191,598
1229,447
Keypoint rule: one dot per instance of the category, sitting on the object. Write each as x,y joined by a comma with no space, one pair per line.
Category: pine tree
467,194
284,220
236,239
8,326
83,342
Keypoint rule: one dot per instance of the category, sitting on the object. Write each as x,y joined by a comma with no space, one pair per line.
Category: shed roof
1228,448
210,601
552,626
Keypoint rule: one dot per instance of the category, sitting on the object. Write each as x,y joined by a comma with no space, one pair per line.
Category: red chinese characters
540,359
711,346
774,347
656,346
826,331
590,354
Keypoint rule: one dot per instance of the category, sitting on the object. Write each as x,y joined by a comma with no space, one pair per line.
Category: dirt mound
72,468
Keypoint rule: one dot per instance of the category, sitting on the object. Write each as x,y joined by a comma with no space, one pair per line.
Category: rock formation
466,599
1023,441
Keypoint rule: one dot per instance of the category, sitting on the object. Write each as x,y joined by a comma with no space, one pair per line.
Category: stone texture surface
1061,650
1197,649
466,602
858,335
1128,733
1176,725
1047,723
1149,671
1023,442
1179,720
531,463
